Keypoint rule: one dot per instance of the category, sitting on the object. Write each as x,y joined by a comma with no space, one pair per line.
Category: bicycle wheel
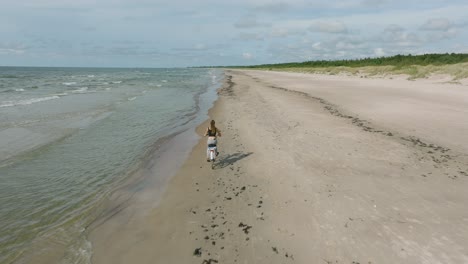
212,158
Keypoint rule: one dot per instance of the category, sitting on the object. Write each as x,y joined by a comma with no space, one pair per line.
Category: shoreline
303,179
100,237
145,191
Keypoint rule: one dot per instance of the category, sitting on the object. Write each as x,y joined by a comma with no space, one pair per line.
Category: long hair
212,125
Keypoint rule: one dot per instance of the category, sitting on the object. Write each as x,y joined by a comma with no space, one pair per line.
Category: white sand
345,170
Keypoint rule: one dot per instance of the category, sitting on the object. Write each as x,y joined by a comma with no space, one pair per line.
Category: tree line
397,60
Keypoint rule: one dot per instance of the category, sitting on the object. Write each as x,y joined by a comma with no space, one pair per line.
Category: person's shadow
231,159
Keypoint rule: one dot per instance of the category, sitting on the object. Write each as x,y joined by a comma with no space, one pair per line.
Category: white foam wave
28,101
158,85
69,83
80,90
19,90
131,99
60,94
91,76
108,89
164,81
117,82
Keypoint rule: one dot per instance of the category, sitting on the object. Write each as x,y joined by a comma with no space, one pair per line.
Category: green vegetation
419,66
398,61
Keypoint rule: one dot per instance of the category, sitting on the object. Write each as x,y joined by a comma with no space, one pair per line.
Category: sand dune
315,169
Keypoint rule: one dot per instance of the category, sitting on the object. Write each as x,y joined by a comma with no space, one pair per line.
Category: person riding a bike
212,132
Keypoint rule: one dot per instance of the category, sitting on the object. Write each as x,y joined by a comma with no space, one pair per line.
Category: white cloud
247,56
442,35
200,47
273,7
4,51
374,20
395,35
379,52
328,27
250,36
250,21
393,29
437,24
349,45
285,32
12,49
373,3
317,46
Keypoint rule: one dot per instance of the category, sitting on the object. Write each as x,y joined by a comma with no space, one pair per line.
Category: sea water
70,136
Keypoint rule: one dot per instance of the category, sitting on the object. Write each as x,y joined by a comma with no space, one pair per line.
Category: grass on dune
457,71
414,66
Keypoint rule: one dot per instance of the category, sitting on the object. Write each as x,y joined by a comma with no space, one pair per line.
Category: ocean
72,137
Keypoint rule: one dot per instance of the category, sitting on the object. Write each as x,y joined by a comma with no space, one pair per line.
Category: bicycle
213,153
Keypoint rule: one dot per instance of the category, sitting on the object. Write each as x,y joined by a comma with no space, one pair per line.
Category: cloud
440,29
437,24
379,52
442,35
324,48
203,47
273,7
250,21
200,46
115,50
393,29
250,36
247,56
395,35
12,48
329,27
373,3
115,32
317,46
285,32
350,43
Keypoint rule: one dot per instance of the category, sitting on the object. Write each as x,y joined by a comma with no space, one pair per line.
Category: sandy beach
313,169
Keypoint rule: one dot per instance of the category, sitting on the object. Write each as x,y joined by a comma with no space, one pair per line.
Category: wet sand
314,169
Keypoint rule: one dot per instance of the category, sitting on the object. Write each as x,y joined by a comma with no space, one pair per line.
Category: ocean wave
69,83
60,94
91,76
27,101
131,99
164,81
17,89
117,82
9,76
80,90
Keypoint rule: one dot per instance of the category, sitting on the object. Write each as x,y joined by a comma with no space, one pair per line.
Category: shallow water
68,137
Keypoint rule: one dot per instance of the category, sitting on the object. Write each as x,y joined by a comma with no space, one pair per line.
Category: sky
184,33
